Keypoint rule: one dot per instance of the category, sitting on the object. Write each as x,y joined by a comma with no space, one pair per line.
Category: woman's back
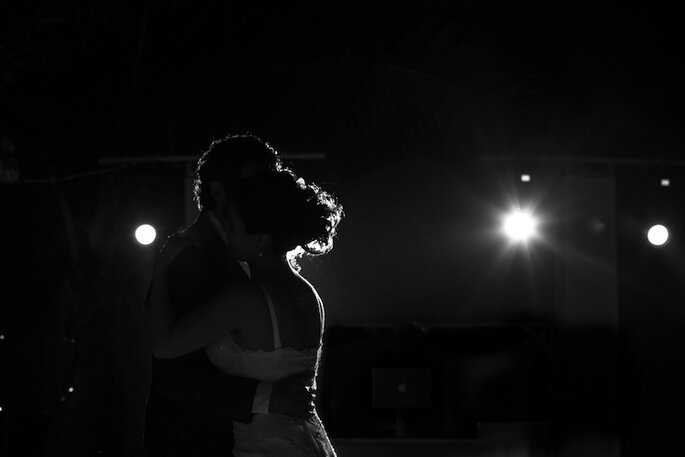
296,329
280,336
298,313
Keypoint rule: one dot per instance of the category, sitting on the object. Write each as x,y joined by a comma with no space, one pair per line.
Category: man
192,405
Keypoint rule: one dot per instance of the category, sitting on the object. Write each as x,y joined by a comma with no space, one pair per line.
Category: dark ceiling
450,80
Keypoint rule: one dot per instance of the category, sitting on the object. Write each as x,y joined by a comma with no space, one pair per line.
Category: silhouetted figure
265,327
193,405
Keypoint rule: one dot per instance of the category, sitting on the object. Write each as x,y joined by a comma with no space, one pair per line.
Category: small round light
525,178
657,235
145,234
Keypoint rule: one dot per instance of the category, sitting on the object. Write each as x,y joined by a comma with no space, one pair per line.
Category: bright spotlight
525,178
145,234
520,225
665,182
657,235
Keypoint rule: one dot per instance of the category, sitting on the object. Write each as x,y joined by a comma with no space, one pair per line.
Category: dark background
420,118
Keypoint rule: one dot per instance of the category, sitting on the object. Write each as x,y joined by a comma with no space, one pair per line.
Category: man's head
225,163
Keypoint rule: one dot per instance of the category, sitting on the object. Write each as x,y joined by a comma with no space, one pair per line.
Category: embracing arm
172,337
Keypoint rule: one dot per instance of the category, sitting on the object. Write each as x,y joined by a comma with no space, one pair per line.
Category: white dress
273,434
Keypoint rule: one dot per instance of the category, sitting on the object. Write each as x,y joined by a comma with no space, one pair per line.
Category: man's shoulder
190,254
179,245
186,233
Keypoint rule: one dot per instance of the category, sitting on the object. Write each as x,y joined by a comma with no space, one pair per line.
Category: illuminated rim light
520,226
657,235
145,234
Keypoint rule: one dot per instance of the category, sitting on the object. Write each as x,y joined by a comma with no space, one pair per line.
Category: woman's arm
173,337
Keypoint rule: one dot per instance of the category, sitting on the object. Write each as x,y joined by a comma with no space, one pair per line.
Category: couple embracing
236,331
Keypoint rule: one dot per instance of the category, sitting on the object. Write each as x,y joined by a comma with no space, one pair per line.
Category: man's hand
291,396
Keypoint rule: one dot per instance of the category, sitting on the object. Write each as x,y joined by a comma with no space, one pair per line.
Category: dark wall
651,290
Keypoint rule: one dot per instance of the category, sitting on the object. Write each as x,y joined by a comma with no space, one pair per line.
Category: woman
271,325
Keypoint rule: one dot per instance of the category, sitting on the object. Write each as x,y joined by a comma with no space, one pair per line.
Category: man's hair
228,160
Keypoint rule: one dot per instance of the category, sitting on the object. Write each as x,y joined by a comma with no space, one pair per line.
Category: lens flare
520,226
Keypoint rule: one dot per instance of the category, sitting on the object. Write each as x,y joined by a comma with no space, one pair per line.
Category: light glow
657,235
520,225
145,234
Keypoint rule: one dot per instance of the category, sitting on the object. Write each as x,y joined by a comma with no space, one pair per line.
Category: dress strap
274,320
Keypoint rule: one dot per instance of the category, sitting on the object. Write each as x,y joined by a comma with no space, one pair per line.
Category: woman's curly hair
295,214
